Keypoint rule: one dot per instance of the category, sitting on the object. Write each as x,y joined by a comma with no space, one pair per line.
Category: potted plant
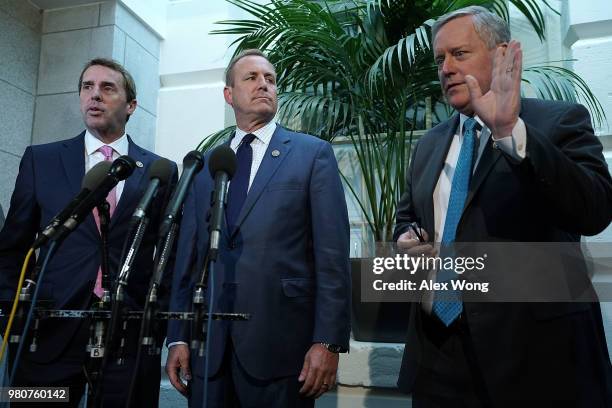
361,73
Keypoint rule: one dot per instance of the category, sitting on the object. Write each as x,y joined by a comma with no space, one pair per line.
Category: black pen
413,225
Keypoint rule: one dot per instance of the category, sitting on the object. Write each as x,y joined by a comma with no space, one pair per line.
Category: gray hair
491,29
229,71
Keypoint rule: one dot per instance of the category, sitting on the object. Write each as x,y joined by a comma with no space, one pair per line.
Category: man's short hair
128,82
229,74
491,29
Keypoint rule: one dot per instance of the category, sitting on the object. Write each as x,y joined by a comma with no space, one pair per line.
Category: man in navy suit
49,177
283,259
533,172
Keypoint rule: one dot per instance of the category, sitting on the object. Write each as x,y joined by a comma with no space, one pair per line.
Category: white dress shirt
259,145
93,156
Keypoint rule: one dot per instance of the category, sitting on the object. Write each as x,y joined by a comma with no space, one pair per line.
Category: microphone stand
121,287
147,336
198,331
38,274
98,350
202,335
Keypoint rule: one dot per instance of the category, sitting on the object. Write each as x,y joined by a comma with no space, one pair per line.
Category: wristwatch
334,348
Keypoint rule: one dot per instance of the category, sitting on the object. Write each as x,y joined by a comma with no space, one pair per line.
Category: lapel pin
139,164
275,153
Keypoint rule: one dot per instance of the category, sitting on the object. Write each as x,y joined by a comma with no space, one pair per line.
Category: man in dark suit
283,259
49,177
502,169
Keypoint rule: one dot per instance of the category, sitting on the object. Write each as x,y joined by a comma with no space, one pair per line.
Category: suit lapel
73,160
487,161
280,141
439,152
485,165
132,184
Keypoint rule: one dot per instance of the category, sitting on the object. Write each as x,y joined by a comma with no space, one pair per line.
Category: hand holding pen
414,241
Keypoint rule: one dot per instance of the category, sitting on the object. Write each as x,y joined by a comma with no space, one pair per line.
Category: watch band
334,348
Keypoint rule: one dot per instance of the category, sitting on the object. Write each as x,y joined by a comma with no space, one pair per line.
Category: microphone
159,174
91,180
192,164
222,166
122,168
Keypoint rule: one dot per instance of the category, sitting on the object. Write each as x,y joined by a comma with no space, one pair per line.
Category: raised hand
499,107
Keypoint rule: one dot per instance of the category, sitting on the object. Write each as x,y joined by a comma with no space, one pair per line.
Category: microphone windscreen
194,157
222,159
122,167
161,169
95,175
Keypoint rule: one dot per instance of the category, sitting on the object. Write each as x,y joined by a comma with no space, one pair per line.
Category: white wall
191,104
151,12
588,32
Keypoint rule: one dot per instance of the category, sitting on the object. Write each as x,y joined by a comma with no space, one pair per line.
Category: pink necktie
107,151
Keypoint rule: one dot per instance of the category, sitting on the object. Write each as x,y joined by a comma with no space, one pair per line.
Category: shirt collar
92,144
264,134
463,118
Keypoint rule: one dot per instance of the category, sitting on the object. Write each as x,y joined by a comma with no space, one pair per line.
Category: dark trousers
233,387
68,371
448,376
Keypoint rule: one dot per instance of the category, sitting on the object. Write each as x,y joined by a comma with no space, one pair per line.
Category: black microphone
122,168
91,180
222,166
159,174
192,164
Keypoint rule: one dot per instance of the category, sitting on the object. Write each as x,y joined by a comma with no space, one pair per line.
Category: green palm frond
214,140
362,71
313,114
557,83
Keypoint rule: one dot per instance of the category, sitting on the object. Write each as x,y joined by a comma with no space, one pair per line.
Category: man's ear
227,94
503,45
131,106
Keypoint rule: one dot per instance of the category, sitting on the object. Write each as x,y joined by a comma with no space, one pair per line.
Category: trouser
233,387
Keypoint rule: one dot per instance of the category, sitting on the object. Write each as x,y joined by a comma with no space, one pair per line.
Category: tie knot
248,139
107,151
469,125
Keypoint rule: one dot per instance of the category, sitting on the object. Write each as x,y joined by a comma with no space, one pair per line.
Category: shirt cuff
515,145
175,343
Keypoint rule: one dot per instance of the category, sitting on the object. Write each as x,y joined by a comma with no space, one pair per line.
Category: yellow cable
15,302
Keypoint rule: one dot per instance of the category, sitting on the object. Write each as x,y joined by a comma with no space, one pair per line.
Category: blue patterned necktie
449,310
237,192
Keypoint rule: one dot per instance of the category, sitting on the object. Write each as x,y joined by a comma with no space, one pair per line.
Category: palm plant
362,71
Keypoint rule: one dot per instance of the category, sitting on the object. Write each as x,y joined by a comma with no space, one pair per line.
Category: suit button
231,245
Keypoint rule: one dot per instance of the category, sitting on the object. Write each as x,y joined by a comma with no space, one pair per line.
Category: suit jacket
49,177
287,262
560,191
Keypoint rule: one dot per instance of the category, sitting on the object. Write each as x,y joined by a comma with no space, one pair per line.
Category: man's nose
262,83
96,94
448,67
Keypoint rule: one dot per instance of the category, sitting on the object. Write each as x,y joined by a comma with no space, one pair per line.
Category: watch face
334,348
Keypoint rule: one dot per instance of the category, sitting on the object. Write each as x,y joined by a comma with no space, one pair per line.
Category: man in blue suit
49,177
283,259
